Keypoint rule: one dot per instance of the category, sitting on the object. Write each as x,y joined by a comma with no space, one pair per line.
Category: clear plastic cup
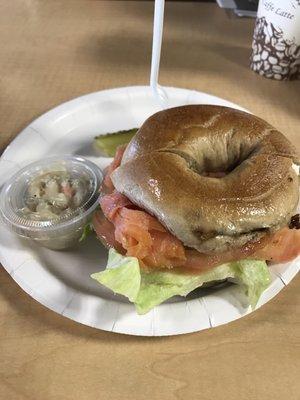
60,232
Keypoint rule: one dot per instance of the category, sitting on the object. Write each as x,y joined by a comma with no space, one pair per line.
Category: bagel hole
213,169
220,172
215,164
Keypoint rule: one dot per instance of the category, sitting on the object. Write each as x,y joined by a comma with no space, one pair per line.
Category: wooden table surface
52,51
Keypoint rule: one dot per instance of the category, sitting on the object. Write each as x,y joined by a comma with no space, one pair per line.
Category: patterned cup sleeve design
273,56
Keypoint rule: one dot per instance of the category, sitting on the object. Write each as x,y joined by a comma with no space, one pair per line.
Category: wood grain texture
52,51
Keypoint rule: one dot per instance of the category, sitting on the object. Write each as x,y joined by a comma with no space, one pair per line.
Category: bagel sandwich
201,194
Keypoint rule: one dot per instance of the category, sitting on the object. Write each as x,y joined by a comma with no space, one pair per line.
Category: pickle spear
109,143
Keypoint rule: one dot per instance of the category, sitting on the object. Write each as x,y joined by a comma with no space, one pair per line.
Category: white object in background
226,4
61,280
231,5
244,13
158,24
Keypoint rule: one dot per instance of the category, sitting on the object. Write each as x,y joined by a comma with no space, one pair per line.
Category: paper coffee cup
276,40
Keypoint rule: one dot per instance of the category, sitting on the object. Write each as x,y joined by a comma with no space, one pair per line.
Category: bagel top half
166,166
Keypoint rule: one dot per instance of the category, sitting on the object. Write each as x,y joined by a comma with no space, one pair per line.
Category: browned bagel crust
163,166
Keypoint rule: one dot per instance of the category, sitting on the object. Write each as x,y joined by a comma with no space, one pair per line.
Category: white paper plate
61,280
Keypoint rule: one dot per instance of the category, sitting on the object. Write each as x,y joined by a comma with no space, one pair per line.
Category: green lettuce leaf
122,275
87,230
146,290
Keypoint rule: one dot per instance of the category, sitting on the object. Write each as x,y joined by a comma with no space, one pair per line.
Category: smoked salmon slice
141,234
281,247
134,232
107,182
